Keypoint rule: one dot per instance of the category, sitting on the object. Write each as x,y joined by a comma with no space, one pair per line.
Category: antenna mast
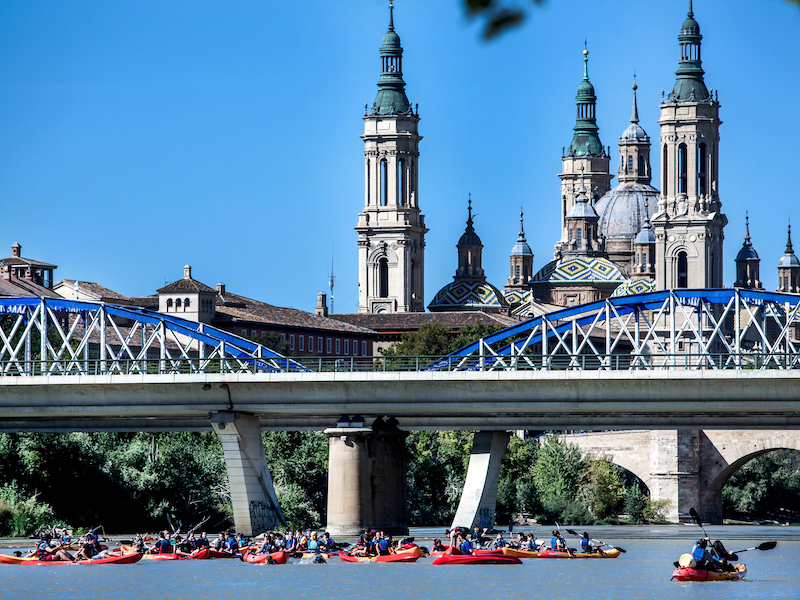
330,283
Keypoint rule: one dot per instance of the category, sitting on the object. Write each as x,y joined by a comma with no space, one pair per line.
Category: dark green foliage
298,463
498,15
566,512
766,487
435,471
635,503
434,339
516,492
271,340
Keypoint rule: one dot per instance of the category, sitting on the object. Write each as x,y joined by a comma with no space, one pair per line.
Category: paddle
575,533
763,547
569,552
698,520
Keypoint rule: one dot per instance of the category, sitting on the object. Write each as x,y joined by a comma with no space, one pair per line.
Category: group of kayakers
712,557
461,538
88,548
373,542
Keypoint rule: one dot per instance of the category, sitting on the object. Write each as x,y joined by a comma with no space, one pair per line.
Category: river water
642,572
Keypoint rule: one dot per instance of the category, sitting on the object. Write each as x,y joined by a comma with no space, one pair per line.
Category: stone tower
585,157
521,261
688,224
391,229
748,263
789,269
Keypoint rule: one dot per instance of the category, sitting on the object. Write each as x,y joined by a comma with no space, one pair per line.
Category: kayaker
45,551
476,537
164,543
383,544
499,542
723,555
90,548
703,558
314,544
327,542
182,546
464,545
219,543
138,542
231,544
586,545
438,546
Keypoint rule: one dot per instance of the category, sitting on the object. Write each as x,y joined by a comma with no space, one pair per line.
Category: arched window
683,270
701,170
369,182
642,171
664,171
413,276
401,188
578,236
186,305
630,164
682,169
383,278
169,304
384,183
177,304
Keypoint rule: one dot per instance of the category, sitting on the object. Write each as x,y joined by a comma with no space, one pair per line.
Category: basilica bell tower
391,229
689,224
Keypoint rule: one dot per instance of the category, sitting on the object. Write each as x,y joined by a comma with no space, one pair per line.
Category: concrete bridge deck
488,400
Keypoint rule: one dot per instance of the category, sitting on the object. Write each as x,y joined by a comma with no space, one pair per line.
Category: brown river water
642,572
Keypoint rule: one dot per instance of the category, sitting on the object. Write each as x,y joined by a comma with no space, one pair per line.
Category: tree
601,489
635,503
516,491
432,339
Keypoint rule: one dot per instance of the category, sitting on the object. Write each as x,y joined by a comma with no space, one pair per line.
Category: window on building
291,341
401,188
578,236
244,332
384,183
701,170
169,304
283,337
383,278
630,164
570,234
516,271
683,270
664,171
338,346
682,169
355,347
328,345
347,347
369,182
186,305
178,304
363,347
319,345
644,259
641,172
412,278
301,343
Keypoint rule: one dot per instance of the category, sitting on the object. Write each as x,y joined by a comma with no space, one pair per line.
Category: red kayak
692,574
125,559
471,559
199,554
218,554
488,552
278,557
406,557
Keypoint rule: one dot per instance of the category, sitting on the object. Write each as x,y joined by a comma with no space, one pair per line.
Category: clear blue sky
136,137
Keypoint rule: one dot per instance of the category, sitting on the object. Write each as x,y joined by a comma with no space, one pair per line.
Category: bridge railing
354,364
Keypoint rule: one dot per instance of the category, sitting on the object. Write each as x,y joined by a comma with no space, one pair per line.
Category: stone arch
723,452
627,449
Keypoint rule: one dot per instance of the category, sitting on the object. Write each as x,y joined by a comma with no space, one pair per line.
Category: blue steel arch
737,323
203,345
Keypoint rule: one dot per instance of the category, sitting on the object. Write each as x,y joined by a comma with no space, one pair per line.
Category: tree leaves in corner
498,16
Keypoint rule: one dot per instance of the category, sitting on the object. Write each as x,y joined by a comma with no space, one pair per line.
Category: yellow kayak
521,553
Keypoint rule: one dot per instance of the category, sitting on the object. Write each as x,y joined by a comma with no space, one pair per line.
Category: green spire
586,142
689,85
391,98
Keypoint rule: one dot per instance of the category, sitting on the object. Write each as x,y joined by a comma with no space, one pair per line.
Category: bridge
675,360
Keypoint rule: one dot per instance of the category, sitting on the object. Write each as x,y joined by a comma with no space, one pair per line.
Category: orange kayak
406,557
125,559
691,574
279,557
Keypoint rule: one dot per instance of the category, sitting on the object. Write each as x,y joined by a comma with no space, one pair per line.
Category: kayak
218,554
471,559
520,553
199,554
125,559
498,552
406,557
694,574
311,554
413,550
610,553
279,557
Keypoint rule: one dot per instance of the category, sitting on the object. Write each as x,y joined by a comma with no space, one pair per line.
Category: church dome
580,268
622,210
391,41
582,210
747,253
789,260
634,132
646,235
638,285
471,295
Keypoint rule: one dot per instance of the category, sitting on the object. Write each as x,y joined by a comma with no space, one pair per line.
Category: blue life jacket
584,544
554,543
698,554
465,547
384,545
164,547
41,550
314,545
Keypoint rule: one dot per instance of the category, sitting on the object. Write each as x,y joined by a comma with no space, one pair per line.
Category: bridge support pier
479,498
255,505
366,481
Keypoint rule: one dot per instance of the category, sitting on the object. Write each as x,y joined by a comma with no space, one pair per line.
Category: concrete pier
479,498
255,505
366,481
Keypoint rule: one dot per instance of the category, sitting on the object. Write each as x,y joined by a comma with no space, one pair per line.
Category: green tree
635,503
516,491
767,486
601,489
558,469
432,339
471,333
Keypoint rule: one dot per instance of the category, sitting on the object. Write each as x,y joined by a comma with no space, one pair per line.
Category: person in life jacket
586,545
164,543
203,541
557,542
328,543
314,543
463,545
703,558
499,542
231,544
183,546
46,551
718,549
438,546
90,548
383,544
138,543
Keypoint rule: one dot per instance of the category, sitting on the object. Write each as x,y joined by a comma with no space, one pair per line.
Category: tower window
401,188
186,305
683,270
412,287
169,304
682,169
369,182
642,172
701,170
578,236
630,164
383,278
177,304
384,183
664,171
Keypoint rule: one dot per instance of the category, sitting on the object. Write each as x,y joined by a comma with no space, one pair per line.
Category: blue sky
136,137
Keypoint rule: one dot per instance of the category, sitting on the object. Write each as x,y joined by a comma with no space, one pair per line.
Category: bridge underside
744,399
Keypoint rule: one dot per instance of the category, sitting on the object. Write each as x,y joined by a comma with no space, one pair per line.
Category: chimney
220,289
16,250
187,272
322,305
